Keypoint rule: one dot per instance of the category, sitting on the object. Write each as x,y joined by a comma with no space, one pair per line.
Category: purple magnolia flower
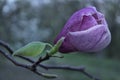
85,31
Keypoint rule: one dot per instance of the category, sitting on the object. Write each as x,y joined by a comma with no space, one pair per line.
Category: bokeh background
24,21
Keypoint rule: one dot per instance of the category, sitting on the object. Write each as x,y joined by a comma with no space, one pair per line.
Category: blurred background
24,21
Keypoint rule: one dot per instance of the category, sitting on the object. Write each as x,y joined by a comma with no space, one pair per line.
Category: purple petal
87,22
67,46
93,39
74,23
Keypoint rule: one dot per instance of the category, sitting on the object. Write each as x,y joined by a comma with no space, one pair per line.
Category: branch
18,64
64,67
35,64
5,45
38,63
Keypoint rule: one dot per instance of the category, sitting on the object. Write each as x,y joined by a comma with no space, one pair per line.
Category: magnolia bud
85,31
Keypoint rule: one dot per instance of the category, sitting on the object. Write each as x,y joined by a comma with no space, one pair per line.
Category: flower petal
67,46
74,23
87,22
93,39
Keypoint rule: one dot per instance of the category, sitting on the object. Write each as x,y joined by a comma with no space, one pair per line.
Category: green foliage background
23,21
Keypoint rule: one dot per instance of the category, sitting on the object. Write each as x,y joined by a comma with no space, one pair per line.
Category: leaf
55,48
31,49
49,76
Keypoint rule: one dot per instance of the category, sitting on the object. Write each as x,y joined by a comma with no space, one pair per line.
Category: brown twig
38,63
35,64
6,46
18,64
